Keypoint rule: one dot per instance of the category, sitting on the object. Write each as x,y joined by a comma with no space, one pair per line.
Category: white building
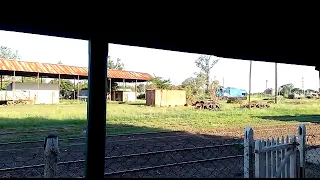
44,94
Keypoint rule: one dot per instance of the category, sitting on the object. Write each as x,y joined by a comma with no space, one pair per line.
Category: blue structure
231,92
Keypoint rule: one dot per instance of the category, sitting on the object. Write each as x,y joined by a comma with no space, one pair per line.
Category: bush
141,96
234,100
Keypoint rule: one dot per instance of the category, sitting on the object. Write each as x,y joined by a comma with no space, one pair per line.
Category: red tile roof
47,68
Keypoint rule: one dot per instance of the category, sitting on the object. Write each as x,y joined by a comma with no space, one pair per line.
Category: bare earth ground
143,156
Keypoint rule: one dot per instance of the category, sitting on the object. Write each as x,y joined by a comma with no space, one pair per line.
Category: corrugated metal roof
35,67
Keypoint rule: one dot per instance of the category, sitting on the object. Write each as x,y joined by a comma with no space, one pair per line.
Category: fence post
302,149
51,151
293,159
248,152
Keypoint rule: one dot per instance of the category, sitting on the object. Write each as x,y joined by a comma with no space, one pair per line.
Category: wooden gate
275,158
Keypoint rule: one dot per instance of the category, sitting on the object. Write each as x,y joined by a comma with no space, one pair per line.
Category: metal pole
78,88
135,88
14,85
74,88
223,82
250,84
266,87
1,86
96,108
59,85
38,81
110,89
276,84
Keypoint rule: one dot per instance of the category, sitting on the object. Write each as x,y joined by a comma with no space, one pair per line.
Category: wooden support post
22,79
302,149
276,84
293,159
96,108
1,77
41,80
78,87
124,83
14,86
135,88
51,151
74,88
248,153
59,83
260,158
38,82
250,72
110,89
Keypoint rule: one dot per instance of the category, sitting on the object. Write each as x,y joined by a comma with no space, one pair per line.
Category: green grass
126,118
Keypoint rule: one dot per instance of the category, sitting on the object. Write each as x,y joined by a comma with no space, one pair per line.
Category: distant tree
160,83
8,53
65,85
140,88
194,87
115,64
310,91
205,63
297,90
286,89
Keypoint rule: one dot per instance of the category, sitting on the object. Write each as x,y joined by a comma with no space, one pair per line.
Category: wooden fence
275,158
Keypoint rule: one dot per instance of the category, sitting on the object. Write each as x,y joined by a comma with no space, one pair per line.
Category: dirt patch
168,154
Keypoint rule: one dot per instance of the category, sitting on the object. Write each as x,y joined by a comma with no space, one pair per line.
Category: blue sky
168,64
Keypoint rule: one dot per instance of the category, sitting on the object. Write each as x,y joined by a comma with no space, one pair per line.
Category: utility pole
223,82
266,87
302,85
276,84
250,84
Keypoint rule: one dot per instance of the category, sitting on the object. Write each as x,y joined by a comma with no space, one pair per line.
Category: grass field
127,118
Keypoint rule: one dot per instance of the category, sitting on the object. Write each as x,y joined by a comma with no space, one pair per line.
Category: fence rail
165,154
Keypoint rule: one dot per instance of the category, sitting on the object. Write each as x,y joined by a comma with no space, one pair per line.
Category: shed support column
135,88
59,85
74,88
110,89
38,81
14,85
96,112
124,83
1,86
78,87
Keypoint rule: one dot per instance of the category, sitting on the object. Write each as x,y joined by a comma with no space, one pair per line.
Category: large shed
42,94
47,70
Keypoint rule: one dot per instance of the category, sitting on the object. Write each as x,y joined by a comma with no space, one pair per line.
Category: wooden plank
287,166
278,159
257,159
293,159
282,158
283,163
302,149
268,160
274,148
248,152
263,160
273,160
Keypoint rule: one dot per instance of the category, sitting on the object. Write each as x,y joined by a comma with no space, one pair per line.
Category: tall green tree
160,83
7,53
206,63
286,89
118,64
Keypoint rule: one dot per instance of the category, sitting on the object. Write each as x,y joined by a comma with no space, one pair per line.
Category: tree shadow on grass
314,118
